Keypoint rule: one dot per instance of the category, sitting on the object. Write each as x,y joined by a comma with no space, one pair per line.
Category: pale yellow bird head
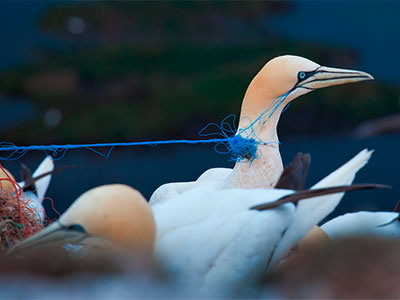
294,75
115,213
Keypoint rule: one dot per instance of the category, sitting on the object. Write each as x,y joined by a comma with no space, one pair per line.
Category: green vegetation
160,88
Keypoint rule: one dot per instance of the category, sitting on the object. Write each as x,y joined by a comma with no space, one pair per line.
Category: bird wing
295,174
199,204
210,178
42,184
364,223
311,211
40,178
215,174
170,190
212,238
308,194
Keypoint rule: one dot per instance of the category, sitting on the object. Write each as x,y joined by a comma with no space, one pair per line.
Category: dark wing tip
295,174
26,173
397,207
307,194
30,181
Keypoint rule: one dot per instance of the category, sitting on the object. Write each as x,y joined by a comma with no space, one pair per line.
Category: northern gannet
218,238
211,238
109,215
281,80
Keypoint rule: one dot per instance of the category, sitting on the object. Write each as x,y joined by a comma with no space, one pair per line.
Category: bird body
281,80
213,237
364,223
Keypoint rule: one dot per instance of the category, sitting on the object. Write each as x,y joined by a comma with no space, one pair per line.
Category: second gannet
280,81
110,215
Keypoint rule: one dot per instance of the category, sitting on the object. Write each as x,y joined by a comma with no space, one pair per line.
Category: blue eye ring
302,75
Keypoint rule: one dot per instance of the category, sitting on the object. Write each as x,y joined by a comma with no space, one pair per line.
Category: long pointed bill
325,76
53,235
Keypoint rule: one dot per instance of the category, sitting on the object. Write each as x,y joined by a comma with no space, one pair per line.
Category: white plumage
35,199
212,178
364,223
211,237
287,75
309,213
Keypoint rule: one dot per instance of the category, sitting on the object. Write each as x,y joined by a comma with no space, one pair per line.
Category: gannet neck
259,120
255,98
262,172
261,108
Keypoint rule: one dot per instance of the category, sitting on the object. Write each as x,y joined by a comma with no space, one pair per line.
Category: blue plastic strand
58,151
242,143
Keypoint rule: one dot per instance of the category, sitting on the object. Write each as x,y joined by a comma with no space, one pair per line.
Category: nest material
17,220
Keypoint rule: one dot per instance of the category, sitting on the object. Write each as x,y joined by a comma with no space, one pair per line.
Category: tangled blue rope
242,144
58,151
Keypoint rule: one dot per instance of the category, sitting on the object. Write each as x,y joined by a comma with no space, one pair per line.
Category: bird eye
302,75
76,227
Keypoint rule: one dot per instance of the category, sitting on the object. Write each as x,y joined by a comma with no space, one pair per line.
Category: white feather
42,184
211,178
364,223
34,199
311,211
212,238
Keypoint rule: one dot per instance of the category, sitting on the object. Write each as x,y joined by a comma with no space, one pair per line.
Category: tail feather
346,173
42,184
309,194
310,212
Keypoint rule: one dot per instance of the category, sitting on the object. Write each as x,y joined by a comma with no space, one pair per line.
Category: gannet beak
325,76
54,235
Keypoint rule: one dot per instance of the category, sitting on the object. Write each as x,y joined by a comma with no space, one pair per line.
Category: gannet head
116,213
300,75
293,75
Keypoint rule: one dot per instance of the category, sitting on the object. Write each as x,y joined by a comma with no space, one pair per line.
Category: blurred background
88,72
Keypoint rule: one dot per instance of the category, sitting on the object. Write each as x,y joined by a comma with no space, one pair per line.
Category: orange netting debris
17,220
